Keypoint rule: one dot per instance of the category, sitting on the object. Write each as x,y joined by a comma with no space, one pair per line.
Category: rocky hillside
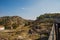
12,22
38,29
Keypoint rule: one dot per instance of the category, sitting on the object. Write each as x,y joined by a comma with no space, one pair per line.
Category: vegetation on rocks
22,29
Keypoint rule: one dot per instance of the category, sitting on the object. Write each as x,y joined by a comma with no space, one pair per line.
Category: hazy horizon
28,9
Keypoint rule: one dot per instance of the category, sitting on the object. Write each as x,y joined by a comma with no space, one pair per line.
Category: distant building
2,27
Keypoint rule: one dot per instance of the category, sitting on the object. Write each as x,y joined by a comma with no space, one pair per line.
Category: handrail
52,34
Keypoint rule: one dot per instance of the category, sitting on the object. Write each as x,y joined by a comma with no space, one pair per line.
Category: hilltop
12,21
38,29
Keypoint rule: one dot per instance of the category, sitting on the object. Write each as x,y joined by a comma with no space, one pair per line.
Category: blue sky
28,9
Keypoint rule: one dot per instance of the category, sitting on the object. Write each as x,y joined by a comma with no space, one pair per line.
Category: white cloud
41,7
22,8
